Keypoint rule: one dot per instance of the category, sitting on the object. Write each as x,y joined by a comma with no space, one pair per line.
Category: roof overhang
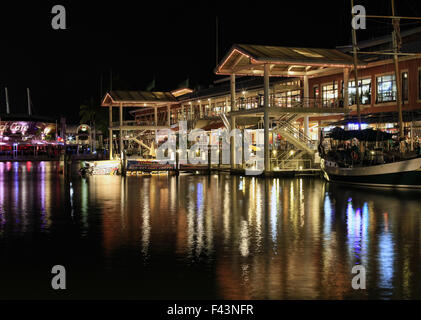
249,60
112,100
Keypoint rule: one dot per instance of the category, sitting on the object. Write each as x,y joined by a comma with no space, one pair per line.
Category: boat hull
402,174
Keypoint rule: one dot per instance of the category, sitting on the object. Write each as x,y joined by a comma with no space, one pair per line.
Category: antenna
7,101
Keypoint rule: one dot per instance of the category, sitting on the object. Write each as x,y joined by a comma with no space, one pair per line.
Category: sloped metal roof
142,96
292,54
245,59
137,98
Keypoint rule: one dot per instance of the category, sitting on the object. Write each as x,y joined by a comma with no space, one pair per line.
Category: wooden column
121,130
110,132
266,118
232,82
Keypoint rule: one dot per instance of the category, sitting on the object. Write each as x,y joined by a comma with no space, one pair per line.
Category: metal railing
291,164
255,102
292,132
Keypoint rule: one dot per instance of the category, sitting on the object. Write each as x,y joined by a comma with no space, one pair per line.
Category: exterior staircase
225,121
295,136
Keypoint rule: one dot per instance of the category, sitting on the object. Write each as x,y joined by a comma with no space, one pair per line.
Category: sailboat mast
355,54
29,102
396,47
7,101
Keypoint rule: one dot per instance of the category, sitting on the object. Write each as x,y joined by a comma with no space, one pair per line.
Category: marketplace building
288,96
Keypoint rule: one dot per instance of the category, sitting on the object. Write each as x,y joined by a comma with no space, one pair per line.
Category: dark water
203,237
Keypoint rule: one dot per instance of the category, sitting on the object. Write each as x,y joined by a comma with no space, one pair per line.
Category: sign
106,167
142,165
38,130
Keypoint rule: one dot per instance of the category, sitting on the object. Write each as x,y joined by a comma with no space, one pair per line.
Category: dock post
123,163
209,153
177,154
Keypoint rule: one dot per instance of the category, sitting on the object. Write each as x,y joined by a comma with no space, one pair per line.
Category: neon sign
14,127
26,129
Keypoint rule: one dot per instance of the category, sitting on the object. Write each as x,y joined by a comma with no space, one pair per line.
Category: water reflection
218,236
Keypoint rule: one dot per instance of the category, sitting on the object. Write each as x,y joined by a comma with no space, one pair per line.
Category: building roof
137,98
285,61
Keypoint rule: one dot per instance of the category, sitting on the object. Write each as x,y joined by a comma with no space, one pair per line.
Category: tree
94,115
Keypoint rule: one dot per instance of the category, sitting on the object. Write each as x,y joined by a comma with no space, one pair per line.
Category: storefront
29,139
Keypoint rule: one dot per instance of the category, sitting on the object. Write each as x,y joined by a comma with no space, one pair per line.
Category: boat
354,161
399,174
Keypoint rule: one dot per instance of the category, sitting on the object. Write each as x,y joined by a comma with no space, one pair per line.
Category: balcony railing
288,102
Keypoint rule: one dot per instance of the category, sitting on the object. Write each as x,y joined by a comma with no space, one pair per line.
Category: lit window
329,94
386,88
364,90
289,98
316,92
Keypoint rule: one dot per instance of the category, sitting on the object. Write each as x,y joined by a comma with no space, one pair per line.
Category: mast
216,42
354,51
29,102
397,41
7,101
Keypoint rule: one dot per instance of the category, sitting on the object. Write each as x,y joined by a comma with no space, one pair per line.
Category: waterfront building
288,94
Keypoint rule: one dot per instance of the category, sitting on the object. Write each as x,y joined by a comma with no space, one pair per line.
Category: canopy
249,60
362,135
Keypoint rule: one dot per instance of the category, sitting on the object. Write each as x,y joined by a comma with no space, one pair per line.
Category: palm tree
94,115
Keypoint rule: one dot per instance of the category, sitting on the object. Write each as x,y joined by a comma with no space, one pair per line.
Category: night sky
169,40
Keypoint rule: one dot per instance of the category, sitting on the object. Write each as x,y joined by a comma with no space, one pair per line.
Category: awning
362,135
284,61
137,99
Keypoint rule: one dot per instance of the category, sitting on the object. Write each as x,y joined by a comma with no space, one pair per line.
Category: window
290,98
405,91
386,88
316,92
329,94
364,90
